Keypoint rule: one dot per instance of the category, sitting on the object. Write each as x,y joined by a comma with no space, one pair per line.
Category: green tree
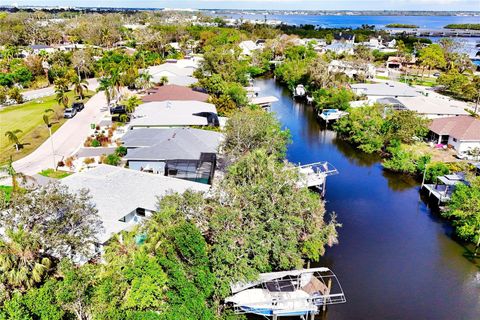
132,103
337,98
432,56
363,127
464,209
251,129
12,136
66,223
15,94
80,86
22,262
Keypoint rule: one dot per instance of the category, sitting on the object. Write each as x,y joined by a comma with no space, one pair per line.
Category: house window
141,212
454,140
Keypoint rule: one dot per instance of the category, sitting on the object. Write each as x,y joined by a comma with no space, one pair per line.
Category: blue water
396,259
430,22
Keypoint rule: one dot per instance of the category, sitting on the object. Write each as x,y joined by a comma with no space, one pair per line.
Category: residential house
352,69
37,48
429,107
179,72
173,92
343,38
376,91
125,197
174,114
341,48
183,153
461,133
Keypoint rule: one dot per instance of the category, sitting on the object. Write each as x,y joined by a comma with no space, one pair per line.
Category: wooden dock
422,32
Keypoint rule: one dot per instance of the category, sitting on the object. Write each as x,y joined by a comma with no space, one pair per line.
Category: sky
439,5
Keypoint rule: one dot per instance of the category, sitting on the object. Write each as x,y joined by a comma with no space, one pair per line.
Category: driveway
67,139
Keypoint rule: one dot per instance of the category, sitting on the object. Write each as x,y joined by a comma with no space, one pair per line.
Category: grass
55,174
28,117
6,191
382,78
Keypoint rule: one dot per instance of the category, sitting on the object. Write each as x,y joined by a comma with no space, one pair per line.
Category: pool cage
201,170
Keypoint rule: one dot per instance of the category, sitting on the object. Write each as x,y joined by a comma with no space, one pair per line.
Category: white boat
332,114
300,91
287,293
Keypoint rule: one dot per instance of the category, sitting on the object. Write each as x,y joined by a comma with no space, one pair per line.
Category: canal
395,258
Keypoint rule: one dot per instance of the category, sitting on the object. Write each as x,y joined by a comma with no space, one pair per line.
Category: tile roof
463,128
173,92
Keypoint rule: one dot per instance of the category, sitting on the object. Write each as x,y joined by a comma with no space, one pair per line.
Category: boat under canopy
287,293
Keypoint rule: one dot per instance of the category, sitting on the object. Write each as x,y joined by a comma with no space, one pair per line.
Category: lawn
55,174
6,191
28,117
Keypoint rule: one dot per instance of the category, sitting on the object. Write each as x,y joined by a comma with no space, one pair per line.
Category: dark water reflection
396,258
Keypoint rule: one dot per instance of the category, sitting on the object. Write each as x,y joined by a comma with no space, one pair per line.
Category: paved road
44,92
67,139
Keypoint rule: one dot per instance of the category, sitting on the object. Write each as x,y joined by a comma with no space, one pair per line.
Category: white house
174,114
462,132
179,72
352,69
124,197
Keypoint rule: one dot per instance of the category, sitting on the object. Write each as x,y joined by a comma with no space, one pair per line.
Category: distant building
388,89
343,38
341,48
462,133
37,48
351,69
179,72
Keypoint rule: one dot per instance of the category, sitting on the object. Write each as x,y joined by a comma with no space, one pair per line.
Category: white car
69,113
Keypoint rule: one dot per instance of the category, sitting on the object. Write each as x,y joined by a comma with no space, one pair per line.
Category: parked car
118,110
69,113
78,106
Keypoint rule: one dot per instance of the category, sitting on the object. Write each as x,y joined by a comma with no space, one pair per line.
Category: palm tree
105,85
115,81
132,103
163,80
62,97
14,175
49,125
146,80
79,86
12,136
21,261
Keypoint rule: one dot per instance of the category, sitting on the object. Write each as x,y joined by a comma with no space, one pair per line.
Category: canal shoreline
396,258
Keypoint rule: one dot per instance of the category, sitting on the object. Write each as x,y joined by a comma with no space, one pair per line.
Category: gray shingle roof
170,144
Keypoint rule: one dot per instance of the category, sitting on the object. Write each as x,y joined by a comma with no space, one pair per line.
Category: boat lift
303,293
314,175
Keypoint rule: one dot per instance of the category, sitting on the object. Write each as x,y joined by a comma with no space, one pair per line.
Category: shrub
121,151
89,160
69,162
112,159
435,170
95,143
